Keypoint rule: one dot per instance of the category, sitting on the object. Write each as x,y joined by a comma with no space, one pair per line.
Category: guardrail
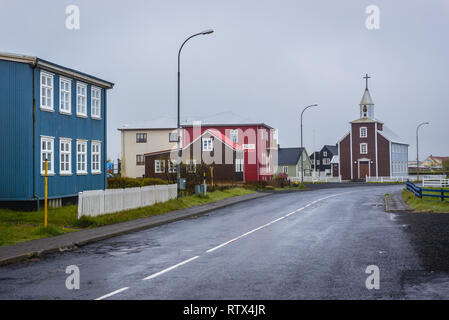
97,202
422,192
438,183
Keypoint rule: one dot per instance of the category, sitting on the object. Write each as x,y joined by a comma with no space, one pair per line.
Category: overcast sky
266,60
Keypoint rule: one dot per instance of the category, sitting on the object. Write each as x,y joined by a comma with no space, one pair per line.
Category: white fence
435,183
316,179
403,179
98,202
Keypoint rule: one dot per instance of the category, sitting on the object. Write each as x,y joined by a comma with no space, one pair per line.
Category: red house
257,139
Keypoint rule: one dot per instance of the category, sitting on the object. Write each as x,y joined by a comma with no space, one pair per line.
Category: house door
363,169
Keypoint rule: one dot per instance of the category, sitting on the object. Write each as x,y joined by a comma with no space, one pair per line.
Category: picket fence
97,202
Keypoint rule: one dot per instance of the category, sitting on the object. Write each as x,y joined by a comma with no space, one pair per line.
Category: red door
364,169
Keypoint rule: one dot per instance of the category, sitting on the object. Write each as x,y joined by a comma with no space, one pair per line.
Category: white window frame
171,166
51,158
93,154
93,103
362,145
191,166
159,166
83,112
62,155
173,137
208,144
234,136
326,161
324,153
239,165
49,90
65,93
81,170
365,131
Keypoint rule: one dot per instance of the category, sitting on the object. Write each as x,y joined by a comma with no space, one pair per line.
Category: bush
123,183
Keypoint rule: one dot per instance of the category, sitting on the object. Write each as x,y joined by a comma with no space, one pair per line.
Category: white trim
366,132
209,147
161,165
350,151
52,155
92,115
78,113
69,81
92,154
81,171
369,166
377,157
46,107
63,172
361,148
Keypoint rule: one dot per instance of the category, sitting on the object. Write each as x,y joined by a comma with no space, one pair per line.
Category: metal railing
402,178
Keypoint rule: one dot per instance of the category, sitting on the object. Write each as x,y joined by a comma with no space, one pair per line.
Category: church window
363,132
363,148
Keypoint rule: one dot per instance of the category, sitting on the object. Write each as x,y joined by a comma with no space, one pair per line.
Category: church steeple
366,104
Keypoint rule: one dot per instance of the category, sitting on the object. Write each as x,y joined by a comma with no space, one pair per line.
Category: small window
81,99
171,167
141,137
239,165
96,157
324,153
173,137
65,157
47,153
191,166
65,96
95,103
318,162
207,144
326,161
363,132
140,160
285,169
235,135
81,157
363,148
46,91
159,166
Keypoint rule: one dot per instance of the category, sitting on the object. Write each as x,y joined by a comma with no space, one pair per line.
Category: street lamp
178,168
302,147
417,148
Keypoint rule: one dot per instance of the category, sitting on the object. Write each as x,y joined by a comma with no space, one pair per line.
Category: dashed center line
222,245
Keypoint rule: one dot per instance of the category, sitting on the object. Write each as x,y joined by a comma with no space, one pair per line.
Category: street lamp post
417,147
178,167
302,147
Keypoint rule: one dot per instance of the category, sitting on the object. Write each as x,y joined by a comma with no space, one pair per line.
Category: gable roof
333,149
388,134
288,156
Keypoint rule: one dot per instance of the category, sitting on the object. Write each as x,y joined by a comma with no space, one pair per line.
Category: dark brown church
370,149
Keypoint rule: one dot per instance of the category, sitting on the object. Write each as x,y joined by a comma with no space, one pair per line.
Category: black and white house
321,160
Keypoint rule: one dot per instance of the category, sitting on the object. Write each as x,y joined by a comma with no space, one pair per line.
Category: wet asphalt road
302,245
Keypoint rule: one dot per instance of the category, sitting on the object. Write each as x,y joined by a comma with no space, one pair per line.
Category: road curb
39,247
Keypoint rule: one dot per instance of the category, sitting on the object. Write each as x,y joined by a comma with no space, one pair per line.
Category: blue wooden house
51,112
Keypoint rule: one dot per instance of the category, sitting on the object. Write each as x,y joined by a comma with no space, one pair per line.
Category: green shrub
123,183
152,181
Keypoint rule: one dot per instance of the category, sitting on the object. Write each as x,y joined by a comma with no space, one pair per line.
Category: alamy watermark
373,280
372,22
73,280
73,18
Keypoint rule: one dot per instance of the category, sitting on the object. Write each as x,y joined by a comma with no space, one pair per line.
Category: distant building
50,112
212,148
433,162
136,141
323,159
370,148
289,162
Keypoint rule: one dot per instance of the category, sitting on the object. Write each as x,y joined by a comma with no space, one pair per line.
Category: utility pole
417,147
302,146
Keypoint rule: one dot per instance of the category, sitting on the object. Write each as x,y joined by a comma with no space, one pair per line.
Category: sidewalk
395,203
24,250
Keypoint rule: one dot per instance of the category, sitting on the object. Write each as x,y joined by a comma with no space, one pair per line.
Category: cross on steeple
366,78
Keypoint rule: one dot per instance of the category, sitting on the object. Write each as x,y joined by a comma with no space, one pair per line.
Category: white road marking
272,222
112,293
171,268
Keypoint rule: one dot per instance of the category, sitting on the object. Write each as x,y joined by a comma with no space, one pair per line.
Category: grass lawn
24,226
426,204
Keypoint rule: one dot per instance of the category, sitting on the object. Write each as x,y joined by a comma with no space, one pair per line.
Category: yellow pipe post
46,192
212,176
